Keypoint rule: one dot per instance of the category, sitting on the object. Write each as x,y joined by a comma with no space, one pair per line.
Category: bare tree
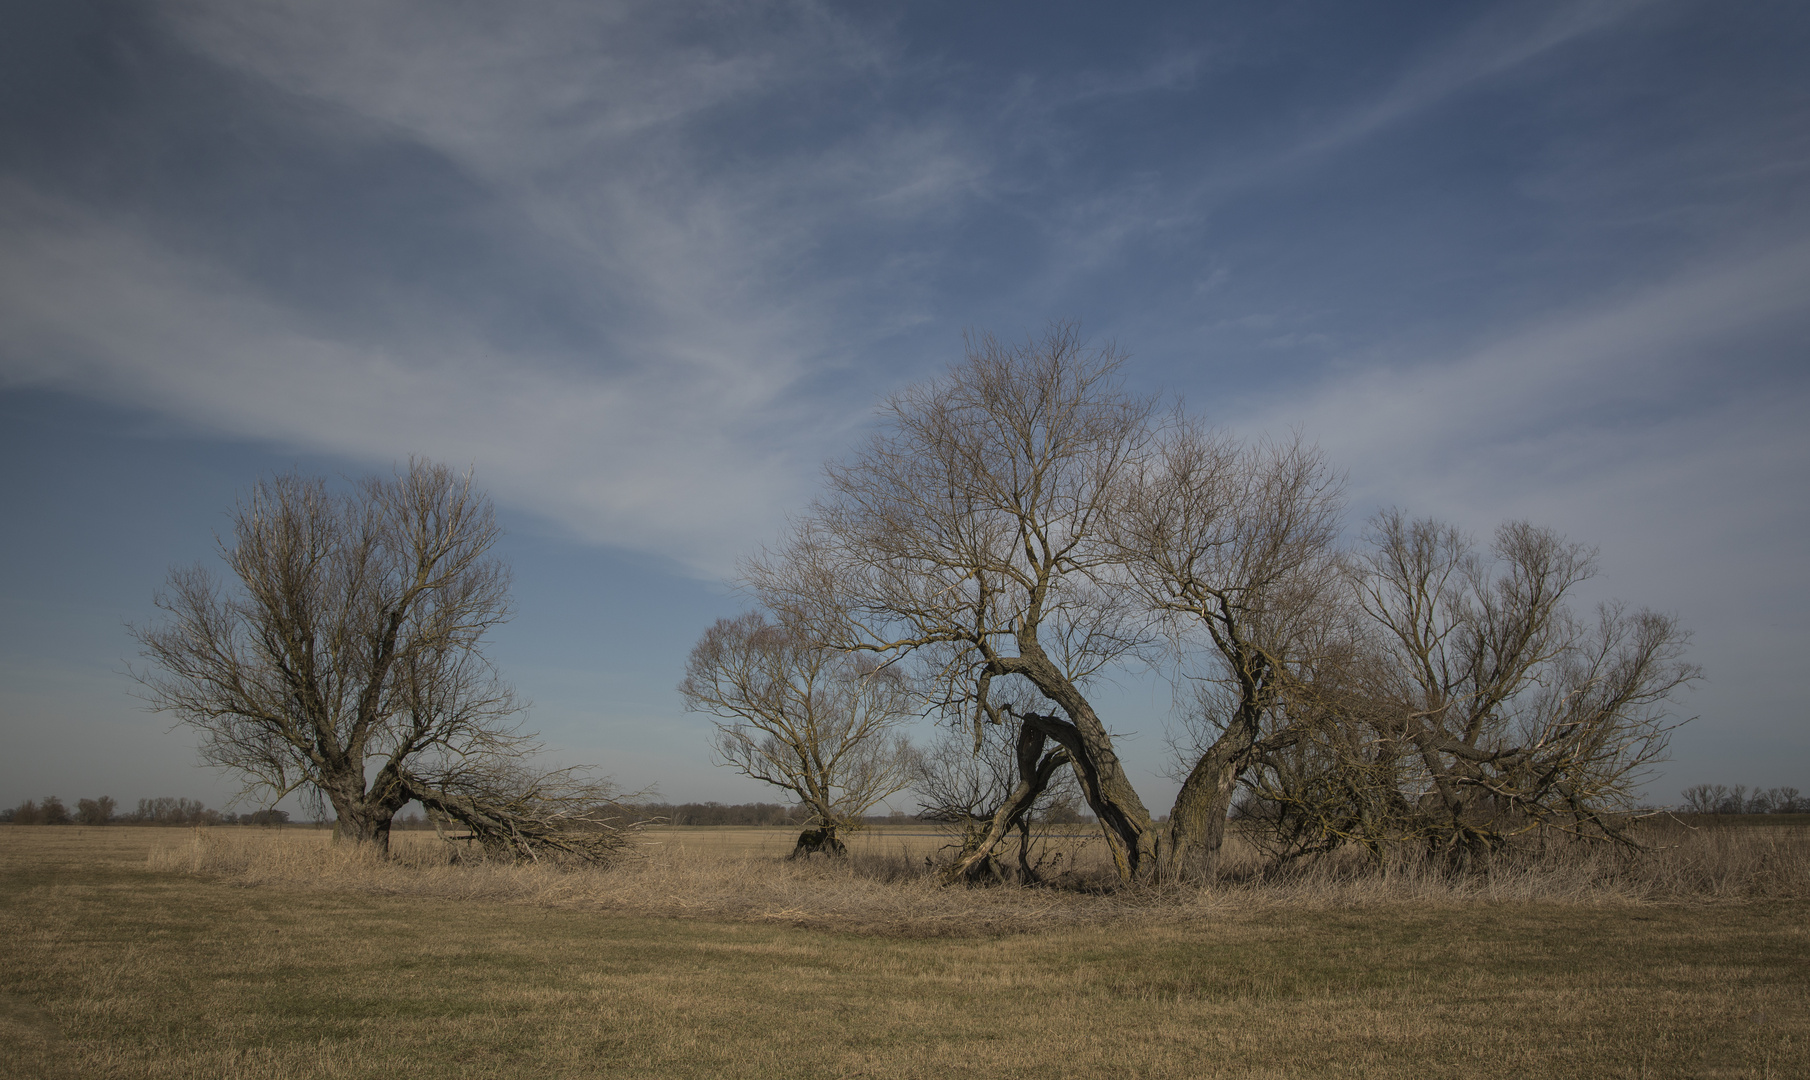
1518,714
1323,774
1023,519
1022,522
172,810
95,811
1233,545
965,789
1704,798
346,661
820,724
966,538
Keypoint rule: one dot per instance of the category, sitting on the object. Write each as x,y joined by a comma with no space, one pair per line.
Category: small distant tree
27,813
54,812
1696,799
95,811
168,810
817,723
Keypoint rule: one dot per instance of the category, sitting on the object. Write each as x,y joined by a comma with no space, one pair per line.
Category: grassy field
245,953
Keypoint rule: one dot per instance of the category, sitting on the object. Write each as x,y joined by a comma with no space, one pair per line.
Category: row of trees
163,810
716,813
1018,531
51,810
1717,799
1022,529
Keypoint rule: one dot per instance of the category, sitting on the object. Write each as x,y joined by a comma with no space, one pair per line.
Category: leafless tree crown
346,658
818,723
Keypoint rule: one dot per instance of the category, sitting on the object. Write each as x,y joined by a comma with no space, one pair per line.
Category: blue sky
646,266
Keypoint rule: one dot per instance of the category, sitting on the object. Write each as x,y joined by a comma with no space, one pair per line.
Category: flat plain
252,953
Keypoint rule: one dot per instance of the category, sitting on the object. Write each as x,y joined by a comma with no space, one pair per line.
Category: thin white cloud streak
513,92
661,458
578,117
1096,230
582,116
701,421
1495,45
1565,373
1099,230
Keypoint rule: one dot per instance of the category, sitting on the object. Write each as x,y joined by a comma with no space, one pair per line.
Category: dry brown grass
884,886
289,960
887,886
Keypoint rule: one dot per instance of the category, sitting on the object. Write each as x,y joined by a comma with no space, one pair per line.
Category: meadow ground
251,953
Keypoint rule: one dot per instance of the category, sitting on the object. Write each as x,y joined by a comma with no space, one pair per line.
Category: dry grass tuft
1680,864
895,893
890,893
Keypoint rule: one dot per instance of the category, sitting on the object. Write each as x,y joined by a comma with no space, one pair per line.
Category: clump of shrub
94,811
30,812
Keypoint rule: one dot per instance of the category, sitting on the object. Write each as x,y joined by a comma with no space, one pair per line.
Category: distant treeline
1716,799
51,810
159,811
773,814
715,813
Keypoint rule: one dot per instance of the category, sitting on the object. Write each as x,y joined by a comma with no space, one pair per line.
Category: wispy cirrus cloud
1621,360
681,416
1496,43
519,94
654,457
1661,426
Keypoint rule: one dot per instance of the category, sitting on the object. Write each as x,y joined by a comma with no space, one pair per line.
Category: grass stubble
250,954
